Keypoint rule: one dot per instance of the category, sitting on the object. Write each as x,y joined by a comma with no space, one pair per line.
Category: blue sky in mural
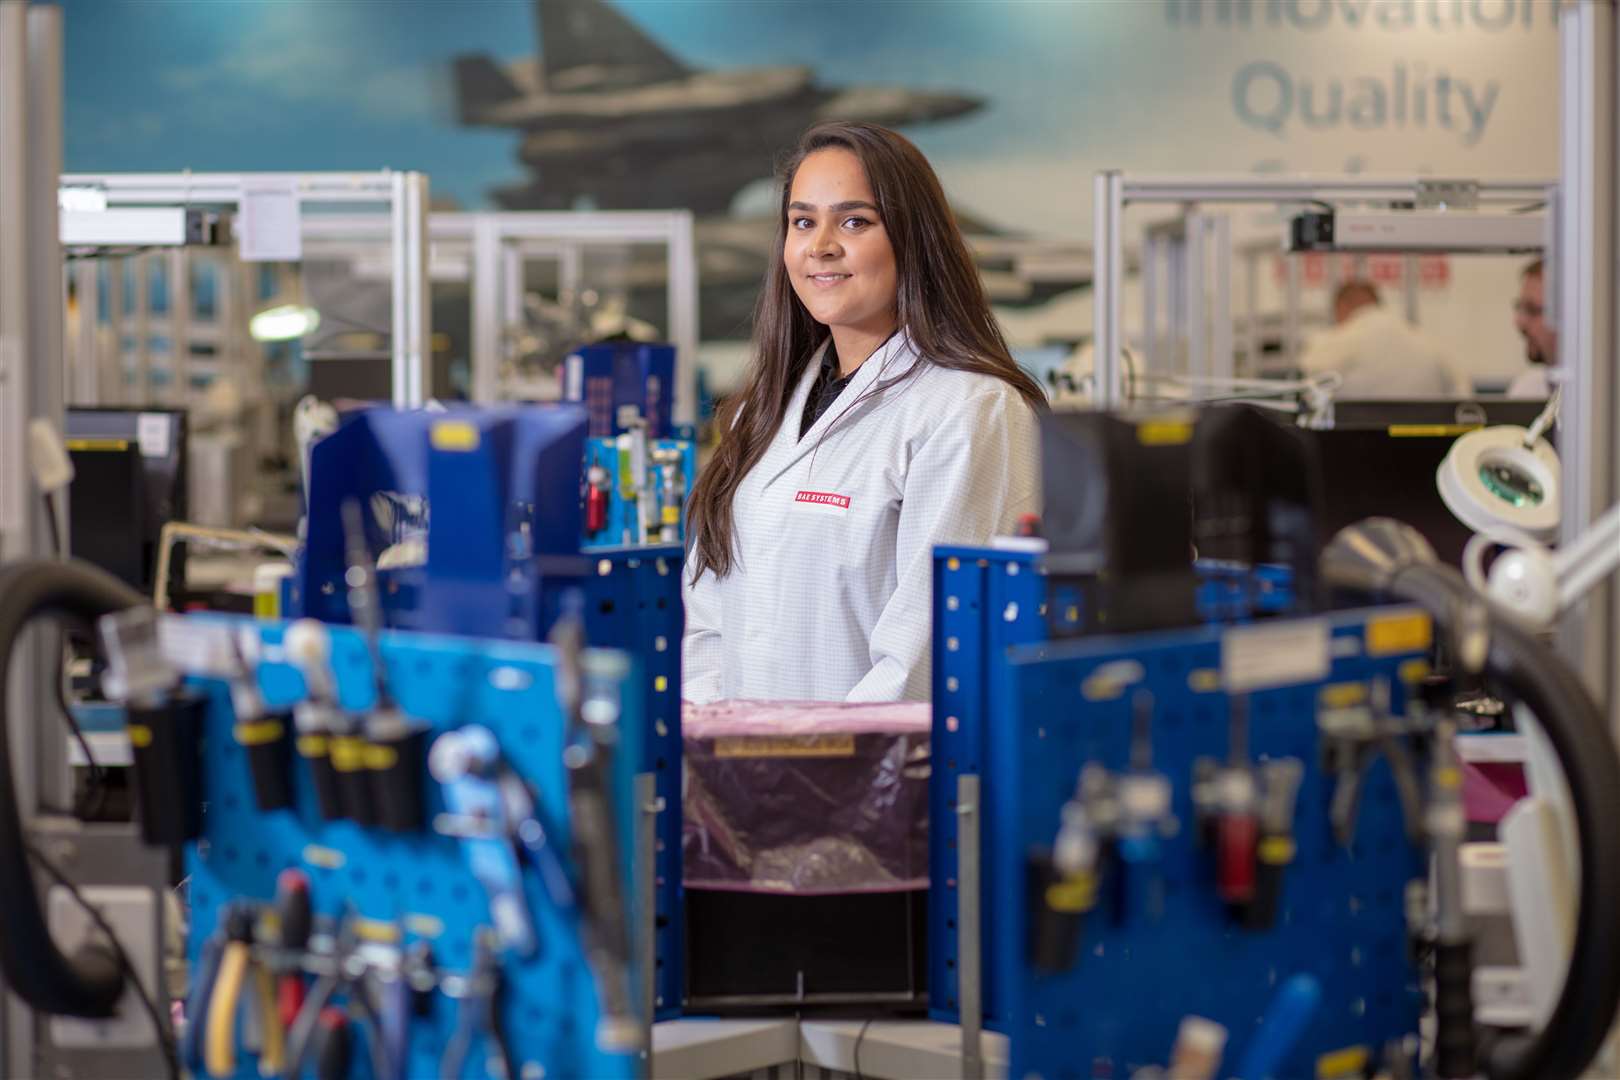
359,84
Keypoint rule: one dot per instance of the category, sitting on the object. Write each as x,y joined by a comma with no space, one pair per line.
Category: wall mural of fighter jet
610,119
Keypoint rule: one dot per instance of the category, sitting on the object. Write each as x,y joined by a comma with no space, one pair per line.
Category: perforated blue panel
420,884
986,600
636,606
1342,912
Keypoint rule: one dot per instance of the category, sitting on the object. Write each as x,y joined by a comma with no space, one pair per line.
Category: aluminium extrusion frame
1114,190
404,193
1581,291
500,242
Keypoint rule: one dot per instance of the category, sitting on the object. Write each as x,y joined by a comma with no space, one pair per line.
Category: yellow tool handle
219,1051
273,1055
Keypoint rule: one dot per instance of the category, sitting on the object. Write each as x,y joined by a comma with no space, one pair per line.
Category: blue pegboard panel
634,604
1341,918
417,887
985,601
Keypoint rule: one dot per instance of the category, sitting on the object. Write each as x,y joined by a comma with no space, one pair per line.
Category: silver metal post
1584,291
969,968
1108,213
1195,328
488,342
180,324
1151,253
115,368
648,807
1220,316
1293,297
140,267
1251,299
683,314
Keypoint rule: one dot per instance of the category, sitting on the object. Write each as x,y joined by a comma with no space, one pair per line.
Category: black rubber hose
32,964
1381,556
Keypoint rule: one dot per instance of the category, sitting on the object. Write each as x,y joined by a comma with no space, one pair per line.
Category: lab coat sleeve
971,480
702,656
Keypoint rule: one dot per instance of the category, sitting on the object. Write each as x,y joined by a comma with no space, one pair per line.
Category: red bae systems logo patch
825,502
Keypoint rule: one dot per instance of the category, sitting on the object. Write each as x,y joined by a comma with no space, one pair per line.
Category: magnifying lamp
1502,482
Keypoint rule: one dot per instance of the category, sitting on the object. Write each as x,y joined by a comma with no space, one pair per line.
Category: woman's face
837,251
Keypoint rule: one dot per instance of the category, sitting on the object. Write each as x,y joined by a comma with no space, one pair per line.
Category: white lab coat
1380,355
1532,383
830,597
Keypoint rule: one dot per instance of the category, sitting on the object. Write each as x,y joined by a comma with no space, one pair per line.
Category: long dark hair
941,305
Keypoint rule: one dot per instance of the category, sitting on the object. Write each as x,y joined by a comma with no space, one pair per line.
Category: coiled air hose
1387,558
90,983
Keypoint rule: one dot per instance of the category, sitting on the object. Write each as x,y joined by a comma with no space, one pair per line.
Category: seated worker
1376,352
1540,340
881,414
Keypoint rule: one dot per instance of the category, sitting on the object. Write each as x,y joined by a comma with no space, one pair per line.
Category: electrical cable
859,1039
160,1028
29,959
1382,556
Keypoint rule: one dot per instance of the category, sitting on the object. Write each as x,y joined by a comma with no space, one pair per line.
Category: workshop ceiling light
284,323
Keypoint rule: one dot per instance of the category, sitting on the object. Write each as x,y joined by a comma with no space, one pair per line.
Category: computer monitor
129,481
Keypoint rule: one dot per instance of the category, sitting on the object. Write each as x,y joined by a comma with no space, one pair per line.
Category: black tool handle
315,747
268,746
166,743
396,764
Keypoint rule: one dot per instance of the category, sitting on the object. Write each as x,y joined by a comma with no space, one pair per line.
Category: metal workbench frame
405,194
500,242
1114,191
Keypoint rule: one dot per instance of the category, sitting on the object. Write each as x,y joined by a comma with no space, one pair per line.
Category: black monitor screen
129,481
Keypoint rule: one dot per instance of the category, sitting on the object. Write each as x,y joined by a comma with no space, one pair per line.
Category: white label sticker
152,432
199,647
1279,654
268,225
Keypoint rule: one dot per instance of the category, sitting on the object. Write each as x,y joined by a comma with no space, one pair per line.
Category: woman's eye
856,223
801,223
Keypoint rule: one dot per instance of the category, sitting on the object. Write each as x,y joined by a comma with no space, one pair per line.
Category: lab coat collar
894,358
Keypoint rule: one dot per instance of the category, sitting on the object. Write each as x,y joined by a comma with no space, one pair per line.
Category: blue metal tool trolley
439,958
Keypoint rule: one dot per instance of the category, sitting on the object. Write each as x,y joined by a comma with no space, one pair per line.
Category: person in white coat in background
1540,339
881,414
1376,352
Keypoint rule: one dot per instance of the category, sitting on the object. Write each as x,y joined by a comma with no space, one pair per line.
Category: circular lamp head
284,323
1492,481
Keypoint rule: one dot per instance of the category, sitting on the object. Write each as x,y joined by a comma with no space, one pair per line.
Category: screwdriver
295,917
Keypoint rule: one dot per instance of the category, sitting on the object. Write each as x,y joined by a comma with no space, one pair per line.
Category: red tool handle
1238,839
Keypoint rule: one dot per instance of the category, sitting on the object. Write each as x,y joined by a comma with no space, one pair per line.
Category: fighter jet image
611,120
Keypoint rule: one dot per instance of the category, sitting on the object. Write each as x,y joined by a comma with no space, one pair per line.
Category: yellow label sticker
953,563
661,683
456,435
140,736
267,605
1343,695
257,734
328,858
98,444
1276,850
428,926
1204,680
1337,1064
379,758
785,746
1430,431
1164,432
312,745
1102,688
1412,632
672,515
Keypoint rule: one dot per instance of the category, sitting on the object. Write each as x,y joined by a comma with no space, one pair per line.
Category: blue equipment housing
495,495
398,891
606,378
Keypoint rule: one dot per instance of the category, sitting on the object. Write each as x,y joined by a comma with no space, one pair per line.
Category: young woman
882,415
